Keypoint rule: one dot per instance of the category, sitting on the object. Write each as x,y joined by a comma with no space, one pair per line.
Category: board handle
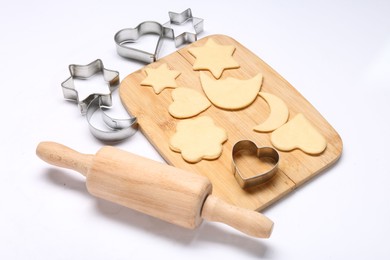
247,221
65,157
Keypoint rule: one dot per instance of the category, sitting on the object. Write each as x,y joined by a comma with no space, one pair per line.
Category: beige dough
231,93
187,103
198,139
160,78
278,113
298,133
214,57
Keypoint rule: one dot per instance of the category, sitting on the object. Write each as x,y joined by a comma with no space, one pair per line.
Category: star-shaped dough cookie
160,78
214,57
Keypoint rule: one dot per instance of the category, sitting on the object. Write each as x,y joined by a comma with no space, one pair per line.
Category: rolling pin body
148,186
168,193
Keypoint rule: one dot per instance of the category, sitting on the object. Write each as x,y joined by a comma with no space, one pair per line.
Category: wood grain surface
295,167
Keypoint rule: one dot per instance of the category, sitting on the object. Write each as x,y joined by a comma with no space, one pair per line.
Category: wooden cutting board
295,167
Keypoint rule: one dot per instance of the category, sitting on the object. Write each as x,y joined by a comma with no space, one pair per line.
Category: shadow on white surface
206,234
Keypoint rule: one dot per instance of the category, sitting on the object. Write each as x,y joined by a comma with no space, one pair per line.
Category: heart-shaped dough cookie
298,133
187,103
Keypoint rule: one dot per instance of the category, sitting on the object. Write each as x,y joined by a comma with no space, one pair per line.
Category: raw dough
198,139
298,133
160,78
278,113
187,103
231,93
214,57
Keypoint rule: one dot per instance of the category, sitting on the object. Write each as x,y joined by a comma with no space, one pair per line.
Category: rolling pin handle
65,157
247,221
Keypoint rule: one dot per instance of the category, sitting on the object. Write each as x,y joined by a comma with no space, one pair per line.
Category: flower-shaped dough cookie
198,139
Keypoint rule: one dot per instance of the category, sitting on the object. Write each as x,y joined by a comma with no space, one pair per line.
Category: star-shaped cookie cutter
182,18
127,36
119,129
85,72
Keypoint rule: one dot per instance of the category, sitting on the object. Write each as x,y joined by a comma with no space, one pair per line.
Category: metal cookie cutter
261,153
181,18
119,129
85,72
130,35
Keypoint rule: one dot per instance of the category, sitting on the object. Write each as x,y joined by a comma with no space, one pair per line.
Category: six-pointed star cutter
180,19
119,129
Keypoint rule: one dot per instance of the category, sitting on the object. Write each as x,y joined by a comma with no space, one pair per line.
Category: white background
336,53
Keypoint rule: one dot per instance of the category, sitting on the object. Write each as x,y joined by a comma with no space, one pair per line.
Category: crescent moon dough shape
278,113
298,133
231,93
187,103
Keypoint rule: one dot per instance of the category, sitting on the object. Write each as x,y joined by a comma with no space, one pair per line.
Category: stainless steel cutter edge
85,72
127,36
119,129
181,18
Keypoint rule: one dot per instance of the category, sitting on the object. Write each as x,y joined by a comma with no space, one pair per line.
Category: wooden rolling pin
160,190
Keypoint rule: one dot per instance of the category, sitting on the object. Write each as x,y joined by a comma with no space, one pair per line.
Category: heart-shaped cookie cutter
127,36
260,152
